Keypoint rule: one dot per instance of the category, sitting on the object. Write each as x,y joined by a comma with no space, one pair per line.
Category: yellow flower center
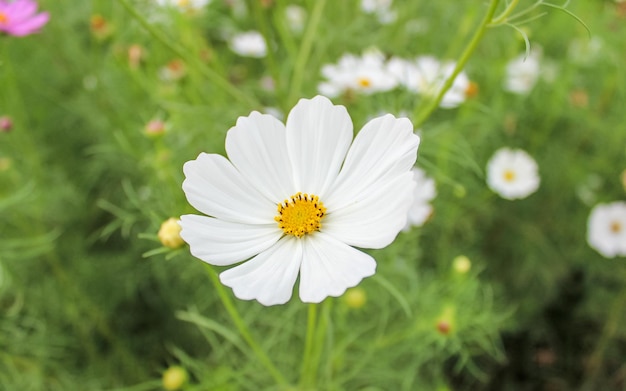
364,82
616,227
509,175
3,18
300,215
183,3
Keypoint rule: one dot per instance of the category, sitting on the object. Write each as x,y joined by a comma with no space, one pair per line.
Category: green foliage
90,299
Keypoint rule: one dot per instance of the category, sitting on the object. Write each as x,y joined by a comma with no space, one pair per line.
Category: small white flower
249,44
585,51
184,5
426,75
606,229
292,199
296,17
366,74
424,193
522,73
382,9
512,174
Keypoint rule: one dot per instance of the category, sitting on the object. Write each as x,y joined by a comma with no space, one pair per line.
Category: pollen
3,18
364,82
509,175
301,214
616,227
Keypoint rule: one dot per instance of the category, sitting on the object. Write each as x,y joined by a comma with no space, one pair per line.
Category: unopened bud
174,378
355,297
155,128
461,264
6,124
169,233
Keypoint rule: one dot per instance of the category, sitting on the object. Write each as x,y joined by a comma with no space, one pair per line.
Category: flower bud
6,124
355,298
461,264
174,378
154,128
169,233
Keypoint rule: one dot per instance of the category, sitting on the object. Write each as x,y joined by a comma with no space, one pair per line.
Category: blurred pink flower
19,17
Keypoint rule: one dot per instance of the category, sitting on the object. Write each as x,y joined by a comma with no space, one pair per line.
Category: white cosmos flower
366,74
606,229
512,174
292,199
426,75
424,193
522,73
248,44
184,5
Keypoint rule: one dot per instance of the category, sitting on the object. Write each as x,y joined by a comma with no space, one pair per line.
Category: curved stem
460,64
210,74
242,328
305,50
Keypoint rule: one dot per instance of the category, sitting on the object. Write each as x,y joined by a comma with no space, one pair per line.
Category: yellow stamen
301,214
472,90
183,3
616,227
3,18
364,82
509,175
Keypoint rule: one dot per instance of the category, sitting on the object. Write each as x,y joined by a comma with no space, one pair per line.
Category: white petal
223,243
375,218
216,188
318,136
329,267
270,276
386,147
258,149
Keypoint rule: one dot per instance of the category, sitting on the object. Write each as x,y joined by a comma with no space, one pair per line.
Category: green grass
83,191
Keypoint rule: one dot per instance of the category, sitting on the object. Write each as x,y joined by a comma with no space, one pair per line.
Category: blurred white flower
292,199
522,73
366,74
606,229
382,9
585,51
426,75
296,17
512,174
249,44
184,5
424,193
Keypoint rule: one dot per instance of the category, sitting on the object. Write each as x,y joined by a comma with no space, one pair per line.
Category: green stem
242,328
193,61
460,64
305,50
610,329
309,342
505,14
261,20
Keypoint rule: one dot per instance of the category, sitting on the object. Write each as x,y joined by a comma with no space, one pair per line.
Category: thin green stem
460,64
309,341
260,15
242,328
305,50
505,14
610,329
193,61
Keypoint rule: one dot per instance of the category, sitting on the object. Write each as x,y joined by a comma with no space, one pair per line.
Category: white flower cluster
371,73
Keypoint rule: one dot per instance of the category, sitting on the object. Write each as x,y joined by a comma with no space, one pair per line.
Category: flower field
358,195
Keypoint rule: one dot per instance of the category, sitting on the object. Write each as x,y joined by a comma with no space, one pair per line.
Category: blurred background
109,99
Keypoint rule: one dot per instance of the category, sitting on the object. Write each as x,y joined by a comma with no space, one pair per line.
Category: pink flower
19,17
